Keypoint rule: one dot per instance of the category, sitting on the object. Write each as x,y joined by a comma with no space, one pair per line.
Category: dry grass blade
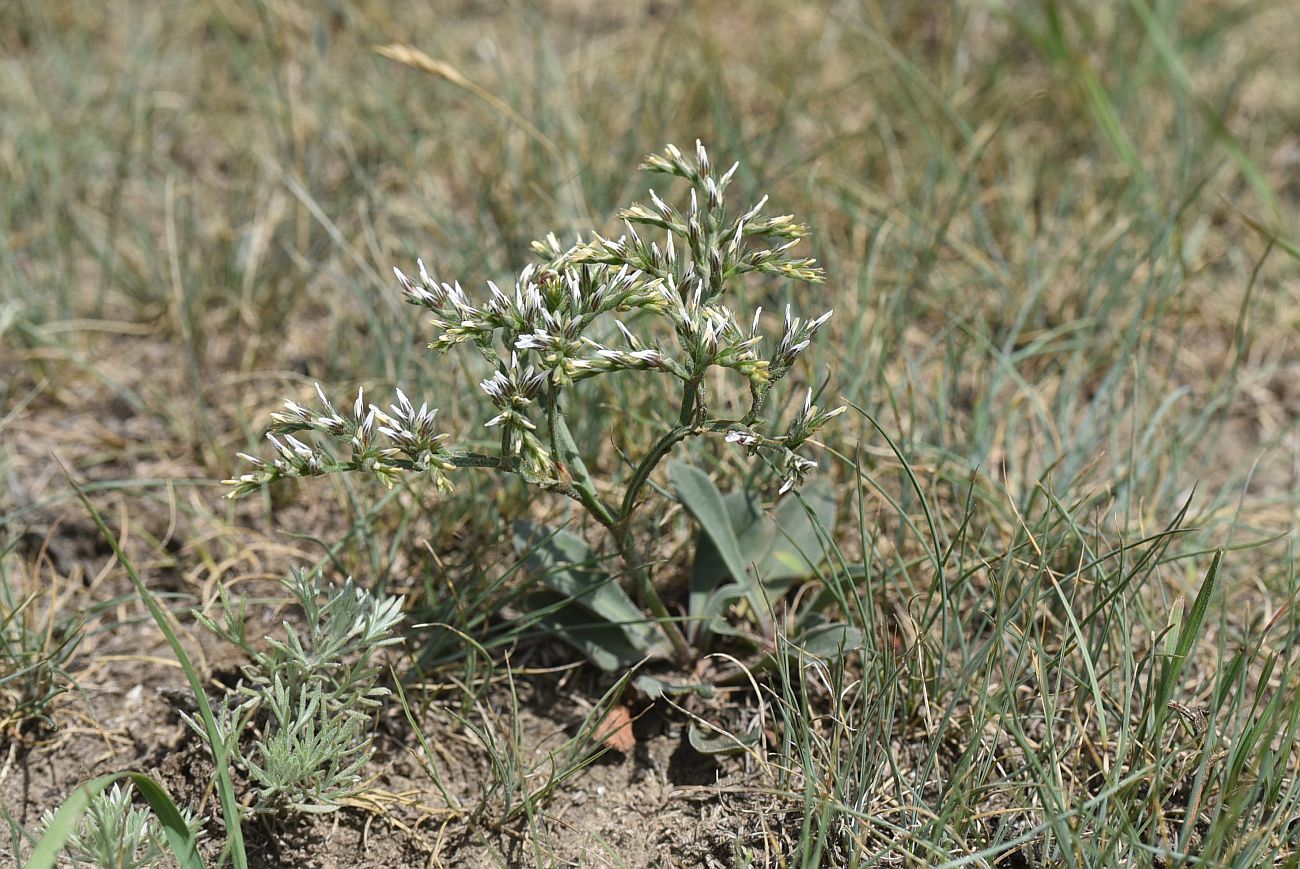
413,57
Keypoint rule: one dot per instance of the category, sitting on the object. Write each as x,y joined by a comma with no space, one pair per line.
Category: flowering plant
552,330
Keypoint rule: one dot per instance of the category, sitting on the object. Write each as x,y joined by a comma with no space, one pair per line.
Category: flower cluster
584,311
512,390
384,443
548,314
783,449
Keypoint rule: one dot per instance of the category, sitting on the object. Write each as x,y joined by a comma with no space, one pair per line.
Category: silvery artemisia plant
114,834
547,333
309,698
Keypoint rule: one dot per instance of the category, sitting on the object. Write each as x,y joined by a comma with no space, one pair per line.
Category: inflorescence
551,330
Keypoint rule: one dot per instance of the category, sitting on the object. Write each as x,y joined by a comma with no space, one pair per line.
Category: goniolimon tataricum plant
654,300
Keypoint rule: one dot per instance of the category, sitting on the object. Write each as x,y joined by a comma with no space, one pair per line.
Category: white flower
495,387
539,340
742,437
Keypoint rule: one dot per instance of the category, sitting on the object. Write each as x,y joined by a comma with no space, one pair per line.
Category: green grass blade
1191,626
216,739
1187,634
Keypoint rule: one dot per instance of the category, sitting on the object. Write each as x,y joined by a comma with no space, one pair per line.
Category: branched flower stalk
546,334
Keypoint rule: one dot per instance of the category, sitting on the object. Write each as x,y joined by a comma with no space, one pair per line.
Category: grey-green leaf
564,563
609,646
754,534
177,833
785,545
709,741
654,687
704,501
830,641
797,546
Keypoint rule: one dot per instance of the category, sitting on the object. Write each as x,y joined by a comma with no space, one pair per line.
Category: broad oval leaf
797,546
609,646
830,641
783,546
654,687
698,494
564,564
754,533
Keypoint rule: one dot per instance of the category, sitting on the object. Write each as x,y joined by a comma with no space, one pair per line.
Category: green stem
582,482
506,464
621,530
642,474
757,399
688,422
649,597
687,411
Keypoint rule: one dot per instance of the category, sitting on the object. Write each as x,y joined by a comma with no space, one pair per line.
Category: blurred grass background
1061,244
